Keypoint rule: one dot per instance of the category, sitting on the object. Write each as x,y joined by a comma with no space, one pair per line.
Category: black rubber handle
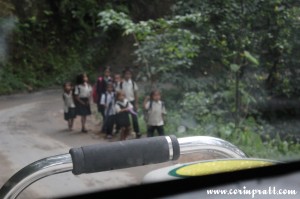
124,154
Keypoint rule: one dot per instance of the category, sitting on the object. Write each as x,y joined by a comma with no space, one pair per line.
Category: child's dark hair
109,84
67,83
153,93
127,70
79,78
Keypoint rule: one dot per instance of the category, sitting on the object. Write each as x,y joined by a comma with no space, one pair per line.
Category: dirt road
32,128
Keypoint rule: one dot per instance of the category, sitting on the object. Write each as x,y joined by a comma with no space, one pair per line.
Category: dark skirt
71,114
122,119
83,110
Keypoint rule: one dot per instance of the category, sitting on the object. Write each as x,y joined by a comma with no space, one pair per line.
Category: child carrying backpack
108,102
123,110
154,114
130,89
100,88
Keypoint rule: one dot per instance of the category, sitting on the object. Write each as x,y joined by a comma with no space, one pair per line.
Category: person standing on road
101,85
108,101
155,112
83,93
130,89
117,83
123,108
69,105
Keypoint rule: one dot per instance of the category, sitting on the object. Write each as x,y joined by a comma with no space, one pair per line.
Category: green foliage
217,98
245,48
42,71
163,46
250,58
168,52
219,58
53,42
10,82
6,8
109,18
212,111
260,32
255,139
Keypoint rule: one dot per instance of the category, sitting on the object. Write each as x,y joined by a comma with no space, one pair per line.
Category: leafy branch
162,45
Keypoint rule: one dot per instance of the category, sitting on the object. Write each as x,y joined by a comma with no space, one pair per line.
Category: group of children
117,102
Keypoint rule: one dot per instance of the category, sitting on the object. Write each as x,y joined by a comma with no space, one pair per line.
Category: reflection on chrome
198,144
34,172
63,163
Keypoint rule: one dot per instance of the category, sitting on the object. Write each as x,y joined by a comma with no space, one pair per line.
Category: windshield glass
76,73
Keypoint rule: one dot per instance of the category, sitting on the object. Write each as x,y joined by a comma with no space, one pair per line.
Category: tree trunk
271,80
237,100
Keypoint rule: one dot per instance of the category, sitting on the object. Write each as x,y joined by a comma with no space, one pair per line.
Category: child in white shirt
155,112
123,109
108,102
69,105
83,94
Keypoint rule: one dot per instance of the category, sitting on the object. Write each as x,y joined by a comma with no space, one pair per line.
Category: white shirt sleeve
76,92
102,99
89,90
147,106
136,88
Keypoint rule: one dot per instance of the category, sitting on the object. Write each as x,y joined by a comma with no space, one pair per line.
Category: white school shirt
155,113
118,108
110,98
83,90
117,86
127,87
68,101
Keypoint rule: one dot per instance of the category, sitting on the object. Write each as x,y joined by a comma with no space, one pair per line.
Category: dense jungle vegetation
231,66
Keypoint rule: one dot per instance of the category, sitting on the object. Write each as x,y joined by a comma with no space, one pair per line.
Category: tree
163,46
